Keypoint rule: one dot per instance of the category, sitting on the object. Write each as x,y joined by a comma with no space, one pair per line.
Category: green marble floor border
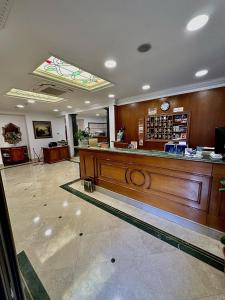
172,240
33,287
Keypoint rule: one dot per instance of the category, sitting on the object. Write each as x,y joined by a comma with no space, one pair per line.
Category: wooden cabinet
187,188
14,155
216,216
55,154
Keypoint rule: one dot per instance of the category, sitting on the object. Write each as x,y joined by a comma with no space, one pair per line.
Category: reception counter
188,187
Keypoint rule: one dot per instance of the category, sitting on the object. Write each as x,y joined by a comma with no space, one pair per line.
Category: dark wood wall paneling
206,108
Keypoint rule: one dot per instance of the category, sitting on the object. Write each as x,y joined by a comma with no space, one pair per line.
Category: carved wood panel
181,187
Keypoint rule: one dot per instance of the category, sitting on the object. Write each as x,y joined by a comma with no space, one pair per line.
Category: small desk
14,155
55,154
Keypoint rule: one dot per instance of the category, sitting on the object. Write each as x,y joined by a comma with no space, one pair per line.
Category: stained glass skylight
56,69
32,95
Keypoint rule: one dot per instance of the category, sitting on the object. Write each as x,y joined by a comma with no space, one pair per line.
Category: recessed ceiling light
56,109
56,69
144,47
97,115
87,102
31,101
32,96
111,96
69,106
197,22
110,63
20,106
201,73
145,87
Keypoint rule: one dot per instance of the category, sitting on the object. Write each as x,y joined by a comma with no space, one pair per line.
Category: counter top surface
55,147
152,153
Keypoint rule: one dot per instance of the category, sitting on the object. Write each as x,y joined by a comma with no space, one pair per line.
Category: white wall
112,125
69,129
25,122
58,131
18,121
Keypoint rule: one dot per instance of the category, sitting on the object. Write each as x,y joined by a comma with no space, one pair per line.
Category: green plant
83,134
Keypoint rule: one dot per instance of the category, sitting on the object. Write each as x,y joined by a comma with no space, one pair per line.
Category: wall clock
165,106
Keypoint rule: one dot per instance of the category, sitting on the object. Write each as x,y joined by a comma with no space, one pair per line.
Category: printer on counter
52,144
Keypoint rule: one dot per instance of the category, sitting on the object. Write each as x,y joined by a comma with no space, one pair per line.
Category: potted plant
83,136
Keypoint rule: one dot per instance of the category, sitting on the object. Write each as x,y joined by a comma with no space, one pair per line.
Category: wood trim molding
189,88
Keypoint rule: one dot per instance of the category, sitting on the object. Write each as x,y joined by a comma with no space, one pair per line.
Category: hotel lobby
112,150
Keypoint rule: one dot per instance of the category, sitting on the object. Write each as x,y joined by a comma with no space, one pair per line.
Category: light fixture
56,109
87,102
197,22
110,63
33,96
59,70
145,87
20,106
111,96
201,73
97,115
48,232
69,106
31,101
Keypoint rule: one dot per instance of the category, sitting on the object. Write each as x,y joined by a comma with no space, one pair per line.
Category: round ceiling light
20,106
110,63
56,109
144,48
201,73
97,115
87,102
146,87
31,101
111,96
69,106
197,22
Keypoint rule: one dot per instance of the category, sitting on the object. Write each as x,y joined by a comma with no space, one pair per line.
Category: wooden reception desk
186,187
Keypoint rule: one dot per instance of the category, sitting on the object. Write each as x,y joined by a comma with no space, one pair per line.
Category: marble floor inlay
74,266
180,244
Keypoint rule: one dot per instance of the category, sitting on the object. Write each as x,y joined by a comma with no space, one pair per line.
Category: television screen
220,140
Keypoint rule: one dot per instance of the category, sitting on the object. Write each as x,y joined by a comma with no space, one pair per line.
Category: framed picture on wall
42,129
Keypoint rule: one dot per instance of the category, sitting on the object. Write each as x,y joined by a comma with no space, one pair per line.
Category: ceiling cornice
205,85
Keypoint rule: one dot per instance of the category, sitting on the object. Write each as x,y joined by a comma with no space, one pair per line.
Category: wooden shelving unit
167,127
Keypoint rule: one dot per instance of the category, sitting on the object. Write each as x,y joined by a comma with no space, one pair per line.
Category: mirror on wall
96,122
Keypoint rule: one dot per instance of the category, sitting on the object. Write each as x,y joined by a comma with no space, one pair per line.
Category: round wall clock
165,106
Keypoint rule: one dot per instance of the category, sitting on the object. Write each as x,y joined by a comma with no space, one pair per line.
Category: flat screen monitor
220,140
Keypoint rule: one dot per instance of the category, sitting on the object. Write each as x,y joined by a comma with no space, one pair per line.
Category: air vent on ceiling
51,89
5,7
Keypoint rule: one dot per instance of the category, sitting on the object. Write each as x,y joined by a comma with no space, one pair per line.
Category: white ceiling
92,113
89,31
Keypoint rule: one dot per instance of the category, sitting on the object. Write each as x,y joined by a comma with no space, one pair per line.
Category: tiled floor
47,222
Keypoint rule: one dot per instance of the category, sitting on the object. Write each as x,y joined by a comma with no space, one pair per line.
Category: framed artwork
42,129
11,134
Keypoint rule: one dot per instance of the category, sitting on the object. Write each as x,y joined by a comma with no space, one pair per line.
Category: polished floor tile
81,252
209,244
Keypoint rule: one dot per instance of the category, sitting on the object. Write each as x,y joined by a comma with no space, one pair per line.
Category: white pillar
112,125
69,130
